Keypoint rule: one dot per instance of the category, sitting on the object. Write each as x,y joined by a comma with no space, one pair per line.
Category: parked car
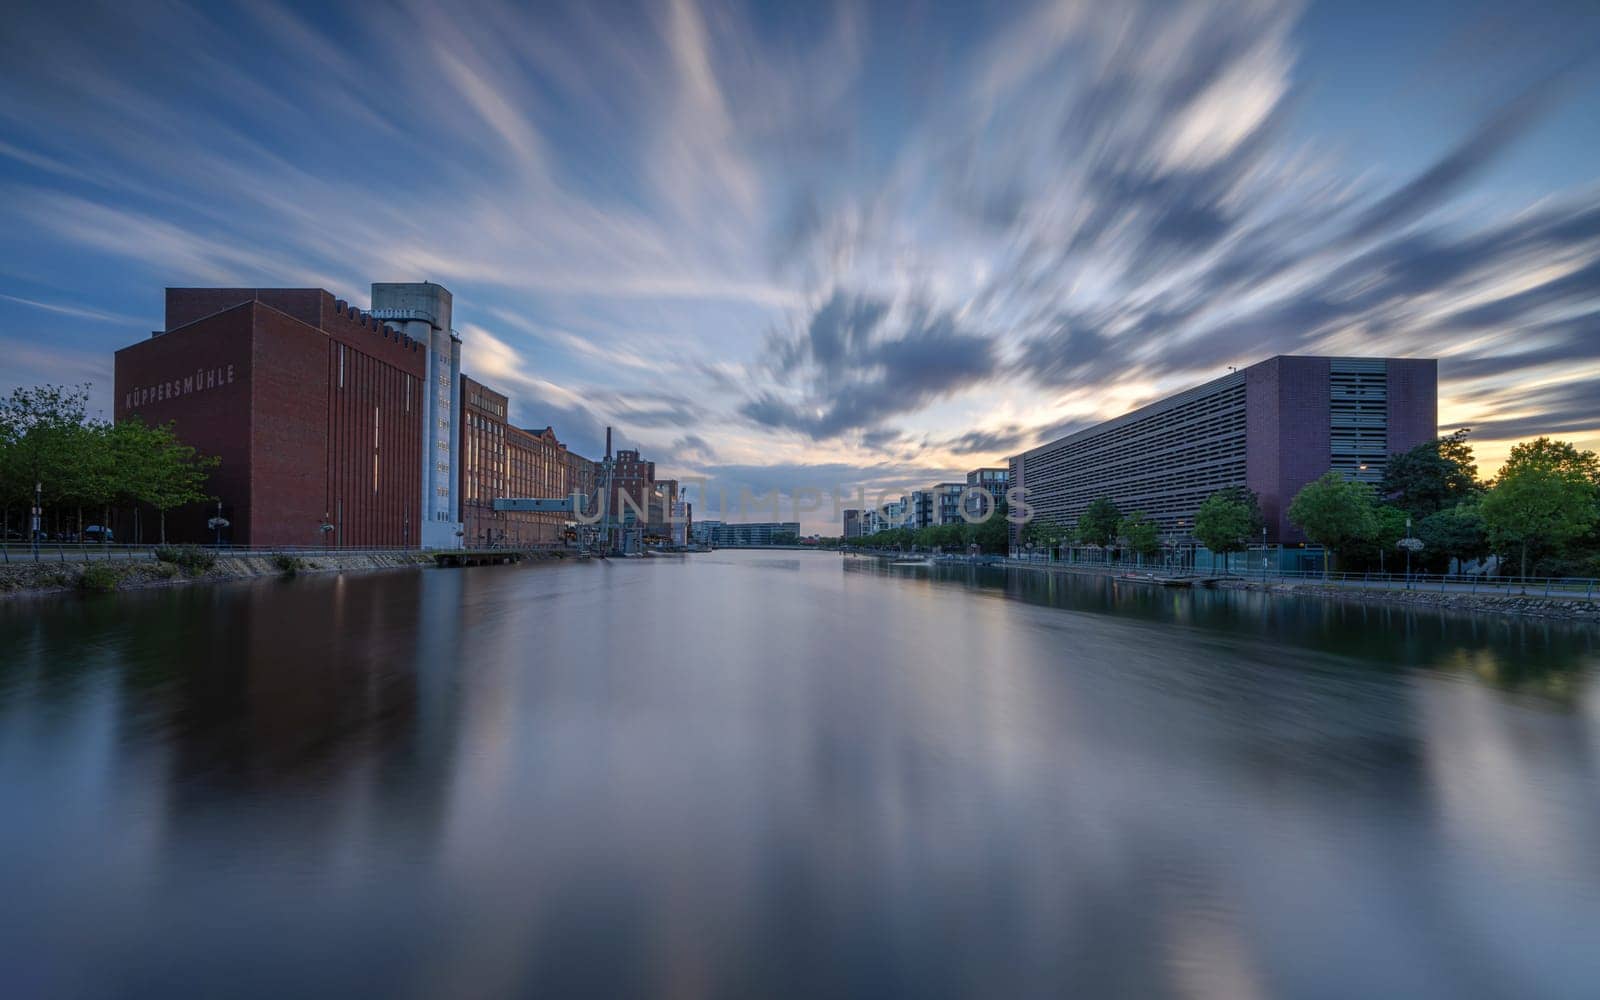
98,533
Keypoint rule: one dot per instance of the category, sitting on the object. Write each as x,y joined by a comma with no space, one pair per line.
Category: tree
1432,476
993,533
1335,512
1228,520
1140,534
1457,532
159,469
41,441
1390,524
1044,533
1544,497
1098,523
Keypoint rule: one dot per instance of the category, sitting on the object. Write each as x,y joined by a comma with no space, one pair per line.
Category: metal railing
69,552
1587,588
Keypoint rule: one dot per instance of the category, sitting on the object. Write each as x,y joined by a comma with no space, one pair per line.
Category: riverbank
109,576
1572,609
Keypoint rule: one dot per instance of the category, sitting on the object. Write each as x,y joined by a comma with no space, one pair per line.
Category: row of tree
81,468
989,535
1540,513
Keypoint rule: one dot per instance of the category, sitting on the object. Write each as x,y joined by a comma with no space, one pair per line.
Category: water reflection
739,775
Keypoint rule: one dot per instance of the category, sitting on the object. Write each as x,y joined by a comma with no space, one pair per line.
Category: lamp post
326,530
218,523
1263,555
1408,554
38,515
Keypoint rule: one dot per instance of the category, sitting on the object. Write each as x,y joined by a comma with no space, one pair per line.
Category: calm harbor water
765,774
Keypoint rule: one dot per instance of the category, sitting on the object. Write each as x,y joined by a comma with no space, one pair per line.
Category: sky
808,245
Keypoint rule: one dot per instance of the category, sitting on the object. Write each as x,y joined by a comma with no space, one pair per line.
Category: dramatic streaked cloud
868,243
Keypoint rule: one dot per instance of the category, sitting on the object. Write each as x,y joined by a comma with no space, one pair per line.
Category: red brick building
500,460
633,484
312,405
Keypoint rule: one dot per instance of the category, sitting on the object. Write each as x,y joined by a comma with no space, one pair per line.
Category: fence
1181,566
75,552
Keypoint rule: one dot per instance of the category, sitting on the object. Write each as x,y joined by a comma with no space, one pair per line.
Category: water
754,774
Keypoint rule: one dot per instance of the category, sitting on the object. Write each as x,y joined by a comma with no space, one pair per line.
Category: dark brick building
633,484
312,405
1272,427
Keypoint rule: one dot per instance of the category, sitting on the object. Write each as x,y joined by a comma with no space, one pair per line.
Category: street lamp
218,523
38,515
326,528
1263,555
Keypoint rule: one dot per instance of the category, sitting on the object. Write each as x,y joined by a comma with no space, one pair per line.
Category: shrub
99,578
191,559
287,564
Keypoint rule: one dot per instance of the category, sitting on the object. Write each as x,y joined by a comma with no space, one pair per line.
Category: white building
421,310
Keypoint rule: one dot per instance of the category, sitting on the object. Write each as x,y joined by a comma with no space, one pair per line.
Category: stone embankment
1576,609
107,575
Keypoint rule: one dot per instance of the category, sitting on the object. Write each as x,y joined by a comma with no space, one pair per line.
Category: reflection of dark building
1272,427
312,406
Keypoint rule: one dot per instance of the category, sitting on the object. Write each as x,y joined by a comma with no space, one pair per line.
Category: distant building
581,481
681,524
633,483
853,523
1272,427
314,407
995,481
663,498
751,534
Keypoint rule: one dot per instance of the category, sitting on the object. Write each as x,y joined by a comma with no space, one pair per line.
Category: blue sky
797,245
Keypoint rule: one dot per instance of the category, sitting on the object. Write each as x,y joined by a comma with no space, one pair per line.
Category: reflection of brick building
500,460
311,405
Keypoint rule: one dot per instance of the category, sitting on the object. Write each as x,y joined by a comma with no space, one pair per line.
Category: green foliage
993,534
1229,520
1457,532
1384,545
1140,534
1433,476
192,559
47,437
1042,532
1545,497
287,564
1098,523
1336,513
99,578
43,434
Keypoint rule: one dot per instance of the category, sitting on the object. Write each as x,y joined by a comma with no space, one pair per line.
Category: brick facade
311,405
501,460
